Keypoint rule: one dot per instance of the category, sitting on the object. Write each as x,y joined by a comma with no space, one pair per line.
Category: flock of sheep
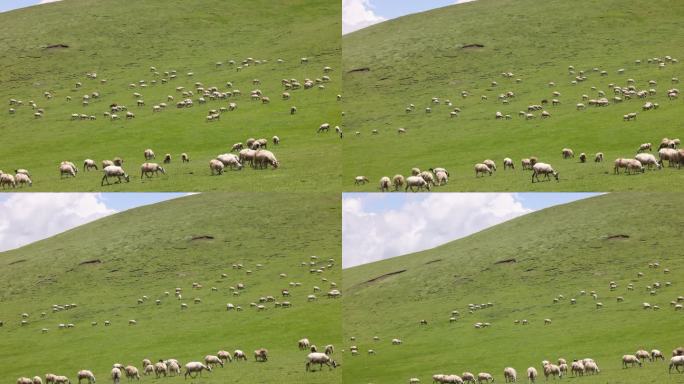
253,152
172,367
668,151
576,367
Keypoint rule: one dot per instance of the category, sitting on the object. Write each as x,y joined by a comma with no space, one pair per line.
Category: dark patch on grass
362,69
506,261
472,46
383,277
433,261
617,237
202,237
94,261
17,261
56,46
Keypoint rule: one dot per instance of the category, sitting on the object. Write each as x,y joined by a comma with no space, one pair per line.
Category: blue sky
8,5
357,14
378,226
29,217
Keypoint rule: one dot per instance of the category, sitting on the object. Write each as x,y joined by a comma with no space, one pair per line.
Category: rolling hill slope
466,47
520,267
104,268
51,48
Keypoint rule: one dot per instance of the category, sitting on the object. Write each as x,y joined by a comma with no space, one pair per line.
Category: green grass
149,250
558,251
121,43
417,57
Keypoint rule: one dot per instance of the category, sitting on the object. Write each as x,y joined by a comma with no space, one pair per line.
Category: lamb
567,153
532,374
210,360
148,169
482,168
263,158
149,154
275,140
543,169
398,181
508,163
510,375
329,349
87,375
630,359
320,359
417,182
385,184
484,377
196,368
676,362
648,160
167,158
261,355
131,372
89,164
114,171
360,180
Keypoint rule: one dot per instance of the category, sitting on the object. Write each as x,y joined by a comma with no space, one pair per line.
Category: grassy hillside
520,267
106,266
412,59
121,43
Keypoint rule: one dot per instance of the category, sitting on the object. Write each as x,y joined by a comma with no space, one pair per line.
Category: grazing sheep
261,355
508,163
442,178
552,370
89,164
676,362
217,166
598,157
239,355
671,155
131,372
185,158
648,160
229,160
196,368
484,377
211,360
398,181
543,169
87,375
224,356
385,184
150,169
21,179
510,375
67,168
532,374
481,168
656,354
167,158
630,359
567,153
114,171
490,164
417,182
360,180
320,359
263,158
149,154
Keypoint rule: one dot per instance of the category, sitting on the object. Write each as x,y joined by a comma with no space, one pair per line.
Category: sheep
484,377
67,168
442,178
185,158
263,158
598,157
329,349
196,368
87,375
261,355
590,367
417,182
481,168
210,360
526,164
671,155
325,127
217,166
468,377
567,153
229,160
396,342
224,356
21,179
24,380
543,169
89,164
149,154
648,160
398,181
275,140
427,176
150,169
303,344
508,163
239,355
644,147
643,355
510,375
114,171
320,359
532,374
629,165
360,180
552,370
656,354
385,184
676,362
630,359
131,372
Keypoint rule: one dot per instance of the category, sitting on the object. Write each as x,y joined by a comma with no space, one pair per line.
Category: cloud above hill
28,217
419,223
49,1
357,14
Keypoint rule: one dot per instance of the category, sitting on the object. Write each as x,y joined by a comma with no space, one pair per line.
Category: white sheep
150,169
263,158
417,182
131,372
551,370
87,375
196,368
21,179
510,375
656,354
67,168
114,171
385,184
676,362
320,359
532,374
481,168
508,163
149,154
360,180
543,169
229,160
211,360
89,164
484,377
648,160
631,360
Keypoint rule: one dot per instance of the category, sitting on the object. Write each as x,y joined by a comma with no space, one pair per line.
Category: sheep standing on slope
263,158
676,362
552,370
484,377
320,359
150,169
398,181
567,153
577,368
630,359
508,163
85,375
442,178
360,180
481,168
114,171
196,368
131,372
417,182
656,354
216,166
598,158
67,168
543,169
211,360
261,355
532,374
510,375
89,164
648,160
149,154
385,184
229,160
21,179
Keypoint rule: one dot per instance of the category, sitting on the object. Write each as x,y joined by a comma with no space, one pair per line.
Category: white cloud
28,217
463,1
419,223
357,14
49,1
